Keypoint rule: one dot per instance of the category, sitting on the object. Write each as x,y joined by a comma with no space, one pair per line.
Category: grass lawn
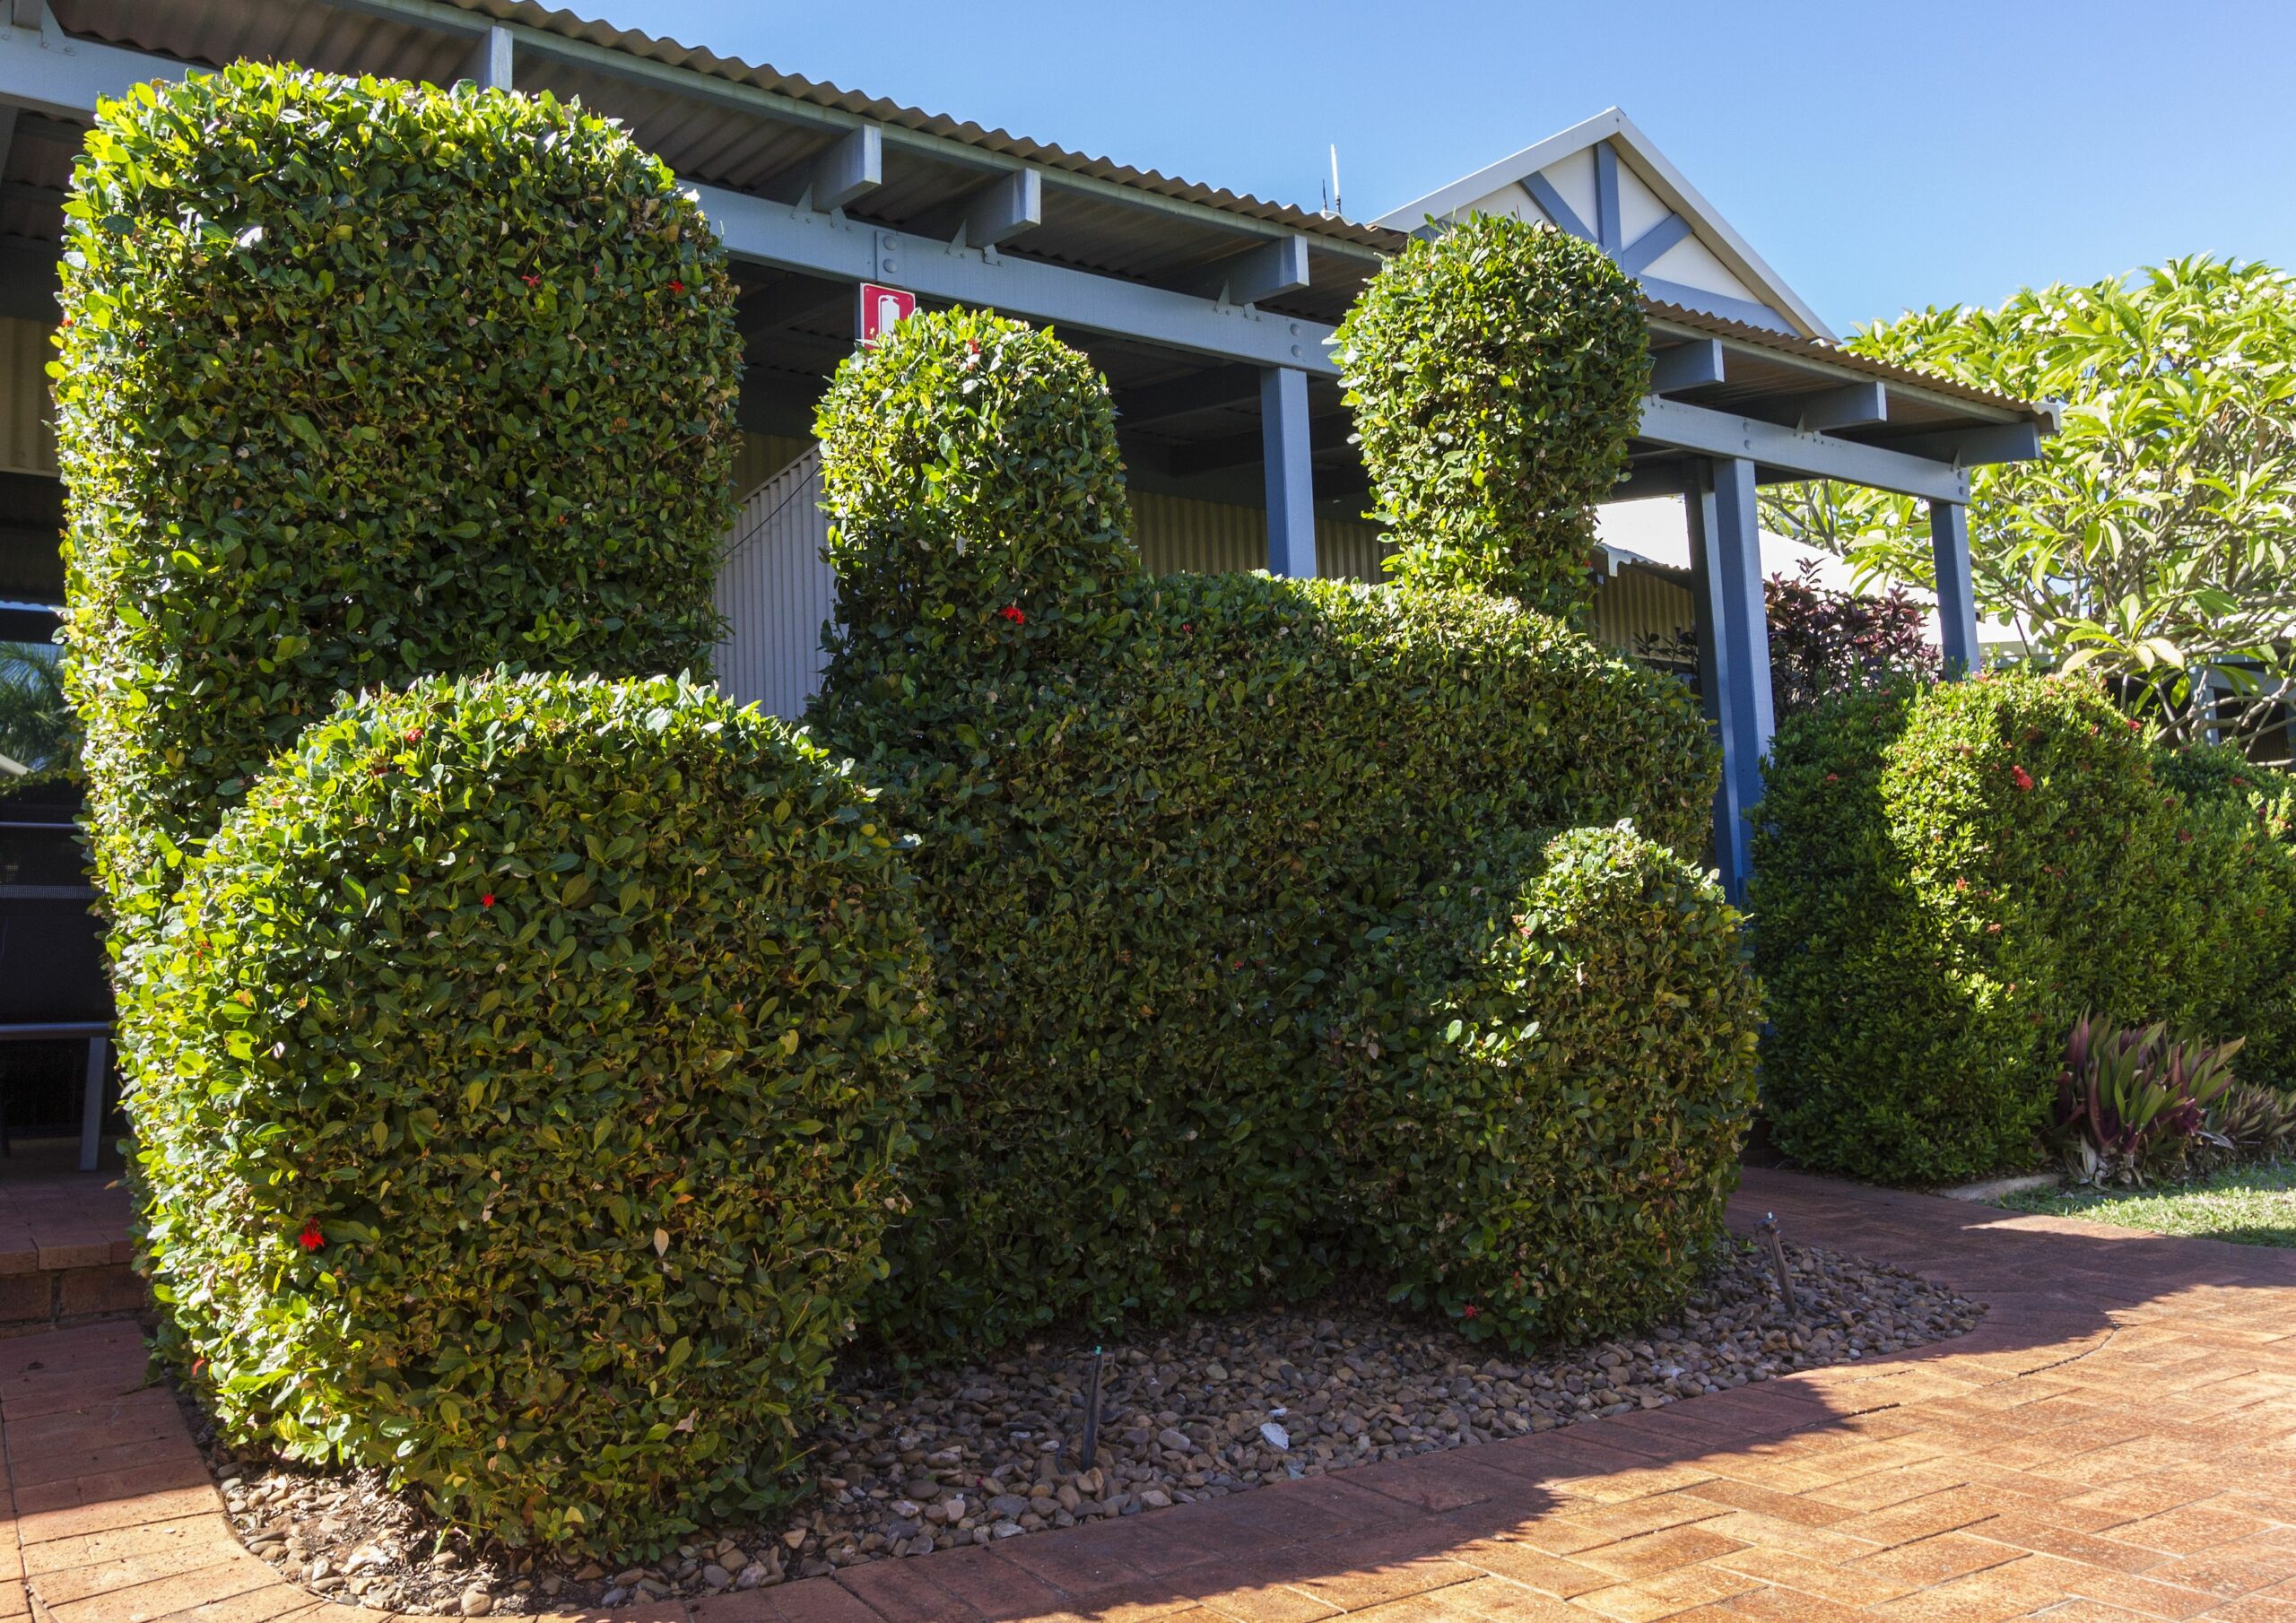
2254,1205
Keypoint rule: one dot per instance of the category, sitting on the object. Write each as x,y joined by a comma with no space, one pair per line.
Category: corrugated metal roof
817,93
1803,348
218,31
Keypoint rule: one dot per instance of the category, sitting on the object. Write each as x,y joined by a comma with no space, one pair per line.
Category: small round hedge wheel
530,1059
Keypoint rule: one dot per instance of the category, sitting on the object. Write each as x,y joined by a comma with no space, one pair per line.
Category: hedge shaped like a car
1180,839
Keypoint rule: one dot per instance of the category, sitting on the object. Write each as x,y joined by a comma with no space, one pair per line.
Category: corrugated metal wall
1637,609
1214,537
27,437
775,592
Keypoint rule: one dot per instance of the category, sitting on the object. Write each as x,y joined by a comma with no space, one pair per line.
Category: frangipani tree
2154,540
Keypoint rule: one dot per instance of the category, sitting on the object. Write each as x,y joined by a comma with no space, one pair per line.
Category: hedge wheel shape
1547,1085
527,1065
1497,371
361,381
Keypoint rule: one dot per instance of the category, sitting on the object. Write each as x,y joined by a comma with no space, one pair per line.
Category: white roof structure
1603,180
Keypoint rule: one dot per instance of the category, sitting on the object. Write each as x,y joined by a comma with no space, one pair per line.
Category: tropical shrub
1554,1073
2154,538
1948,876
2132,1101
525,1071
1497,370
483,416
1164,823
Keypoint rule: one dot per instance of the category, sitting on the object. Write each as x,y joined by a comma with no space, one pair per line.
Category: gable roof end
1717,270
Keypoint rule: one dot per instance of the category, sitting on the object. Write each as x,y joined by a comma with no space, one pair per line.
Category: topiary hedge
1546,1085
1948,876
526,1068
1165,822
1497,370
485,414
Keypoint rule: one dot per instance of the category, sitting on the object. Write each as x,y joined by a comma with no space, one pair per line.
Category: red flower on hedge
311,1239
1833,778
1470,1311
2024,779
532,281
487,900
1011,612
677,287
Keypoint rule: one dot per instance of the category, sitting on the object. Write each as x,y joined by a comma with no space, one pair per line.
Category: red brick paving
2117,1444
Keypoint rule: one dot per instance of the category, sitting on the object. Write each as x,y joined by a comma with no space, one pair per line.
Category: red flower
1186,627
487,900
2024,779
677,287
415,736
1472,1311
1011,612
1833,778
532,281
311,1239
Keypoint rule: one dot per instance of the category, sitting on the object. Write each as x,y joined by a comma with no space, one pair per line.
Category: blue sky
1878,155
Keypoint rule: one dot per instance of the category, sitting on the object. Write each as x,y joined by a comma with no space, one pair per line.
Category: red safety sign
880,307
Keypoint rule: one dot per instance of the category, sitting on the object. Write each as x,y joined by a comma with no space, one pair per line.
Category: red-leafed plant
2131,1101
1822,641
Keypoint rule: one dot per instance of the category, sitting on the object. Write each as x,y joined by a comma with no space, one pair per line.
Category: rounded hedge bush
1161,821
1547,1084
362,380
1948,876
527,1061
988,492
1497,369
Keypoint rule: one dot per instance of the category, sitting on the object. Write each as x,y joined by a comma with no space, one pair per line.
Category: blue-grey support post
92,1103
1949,544
1734,653
490,61
1290,477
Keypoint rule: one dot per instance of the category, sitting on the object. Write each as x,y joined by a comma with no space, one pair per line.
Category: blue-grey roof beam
851,165
1280,266
1851,405
1004,208
1969,448
490,63
1686,366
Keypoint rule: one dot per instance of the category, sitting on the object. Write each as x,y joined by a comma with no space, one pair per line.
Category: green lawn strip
2254,1205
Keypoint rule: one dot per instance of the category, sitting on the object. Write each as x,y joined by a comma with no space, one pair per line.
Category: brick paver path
2116,1443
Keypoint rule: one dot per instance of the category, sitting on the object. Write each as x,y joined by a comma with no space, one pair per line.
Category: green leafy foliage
1497,370
1163,825
524,1073
2156,536
1948,876
1554,1074
483,415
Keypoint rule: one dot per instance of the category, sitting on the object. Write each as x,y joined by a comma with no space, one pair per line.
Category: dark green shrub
1497,370
524,1068
362,380
1546,1091
1945,878
1160,820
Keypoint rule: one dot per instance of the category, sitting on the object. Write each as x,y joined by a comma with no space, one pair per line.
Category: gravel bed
1213,1407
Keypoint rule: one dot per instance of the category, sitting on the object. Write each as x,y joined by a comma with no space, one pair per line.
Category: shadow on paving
2118,1429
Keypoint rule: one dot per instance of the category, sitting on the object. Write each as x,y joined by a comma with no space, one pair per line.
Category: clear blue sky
1878,155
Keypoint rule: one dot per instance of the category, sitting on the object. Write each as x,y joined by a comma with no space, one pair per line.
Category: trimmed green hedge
1497,370
1551,1073
1162,823
1946,877
484,414
524,1069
